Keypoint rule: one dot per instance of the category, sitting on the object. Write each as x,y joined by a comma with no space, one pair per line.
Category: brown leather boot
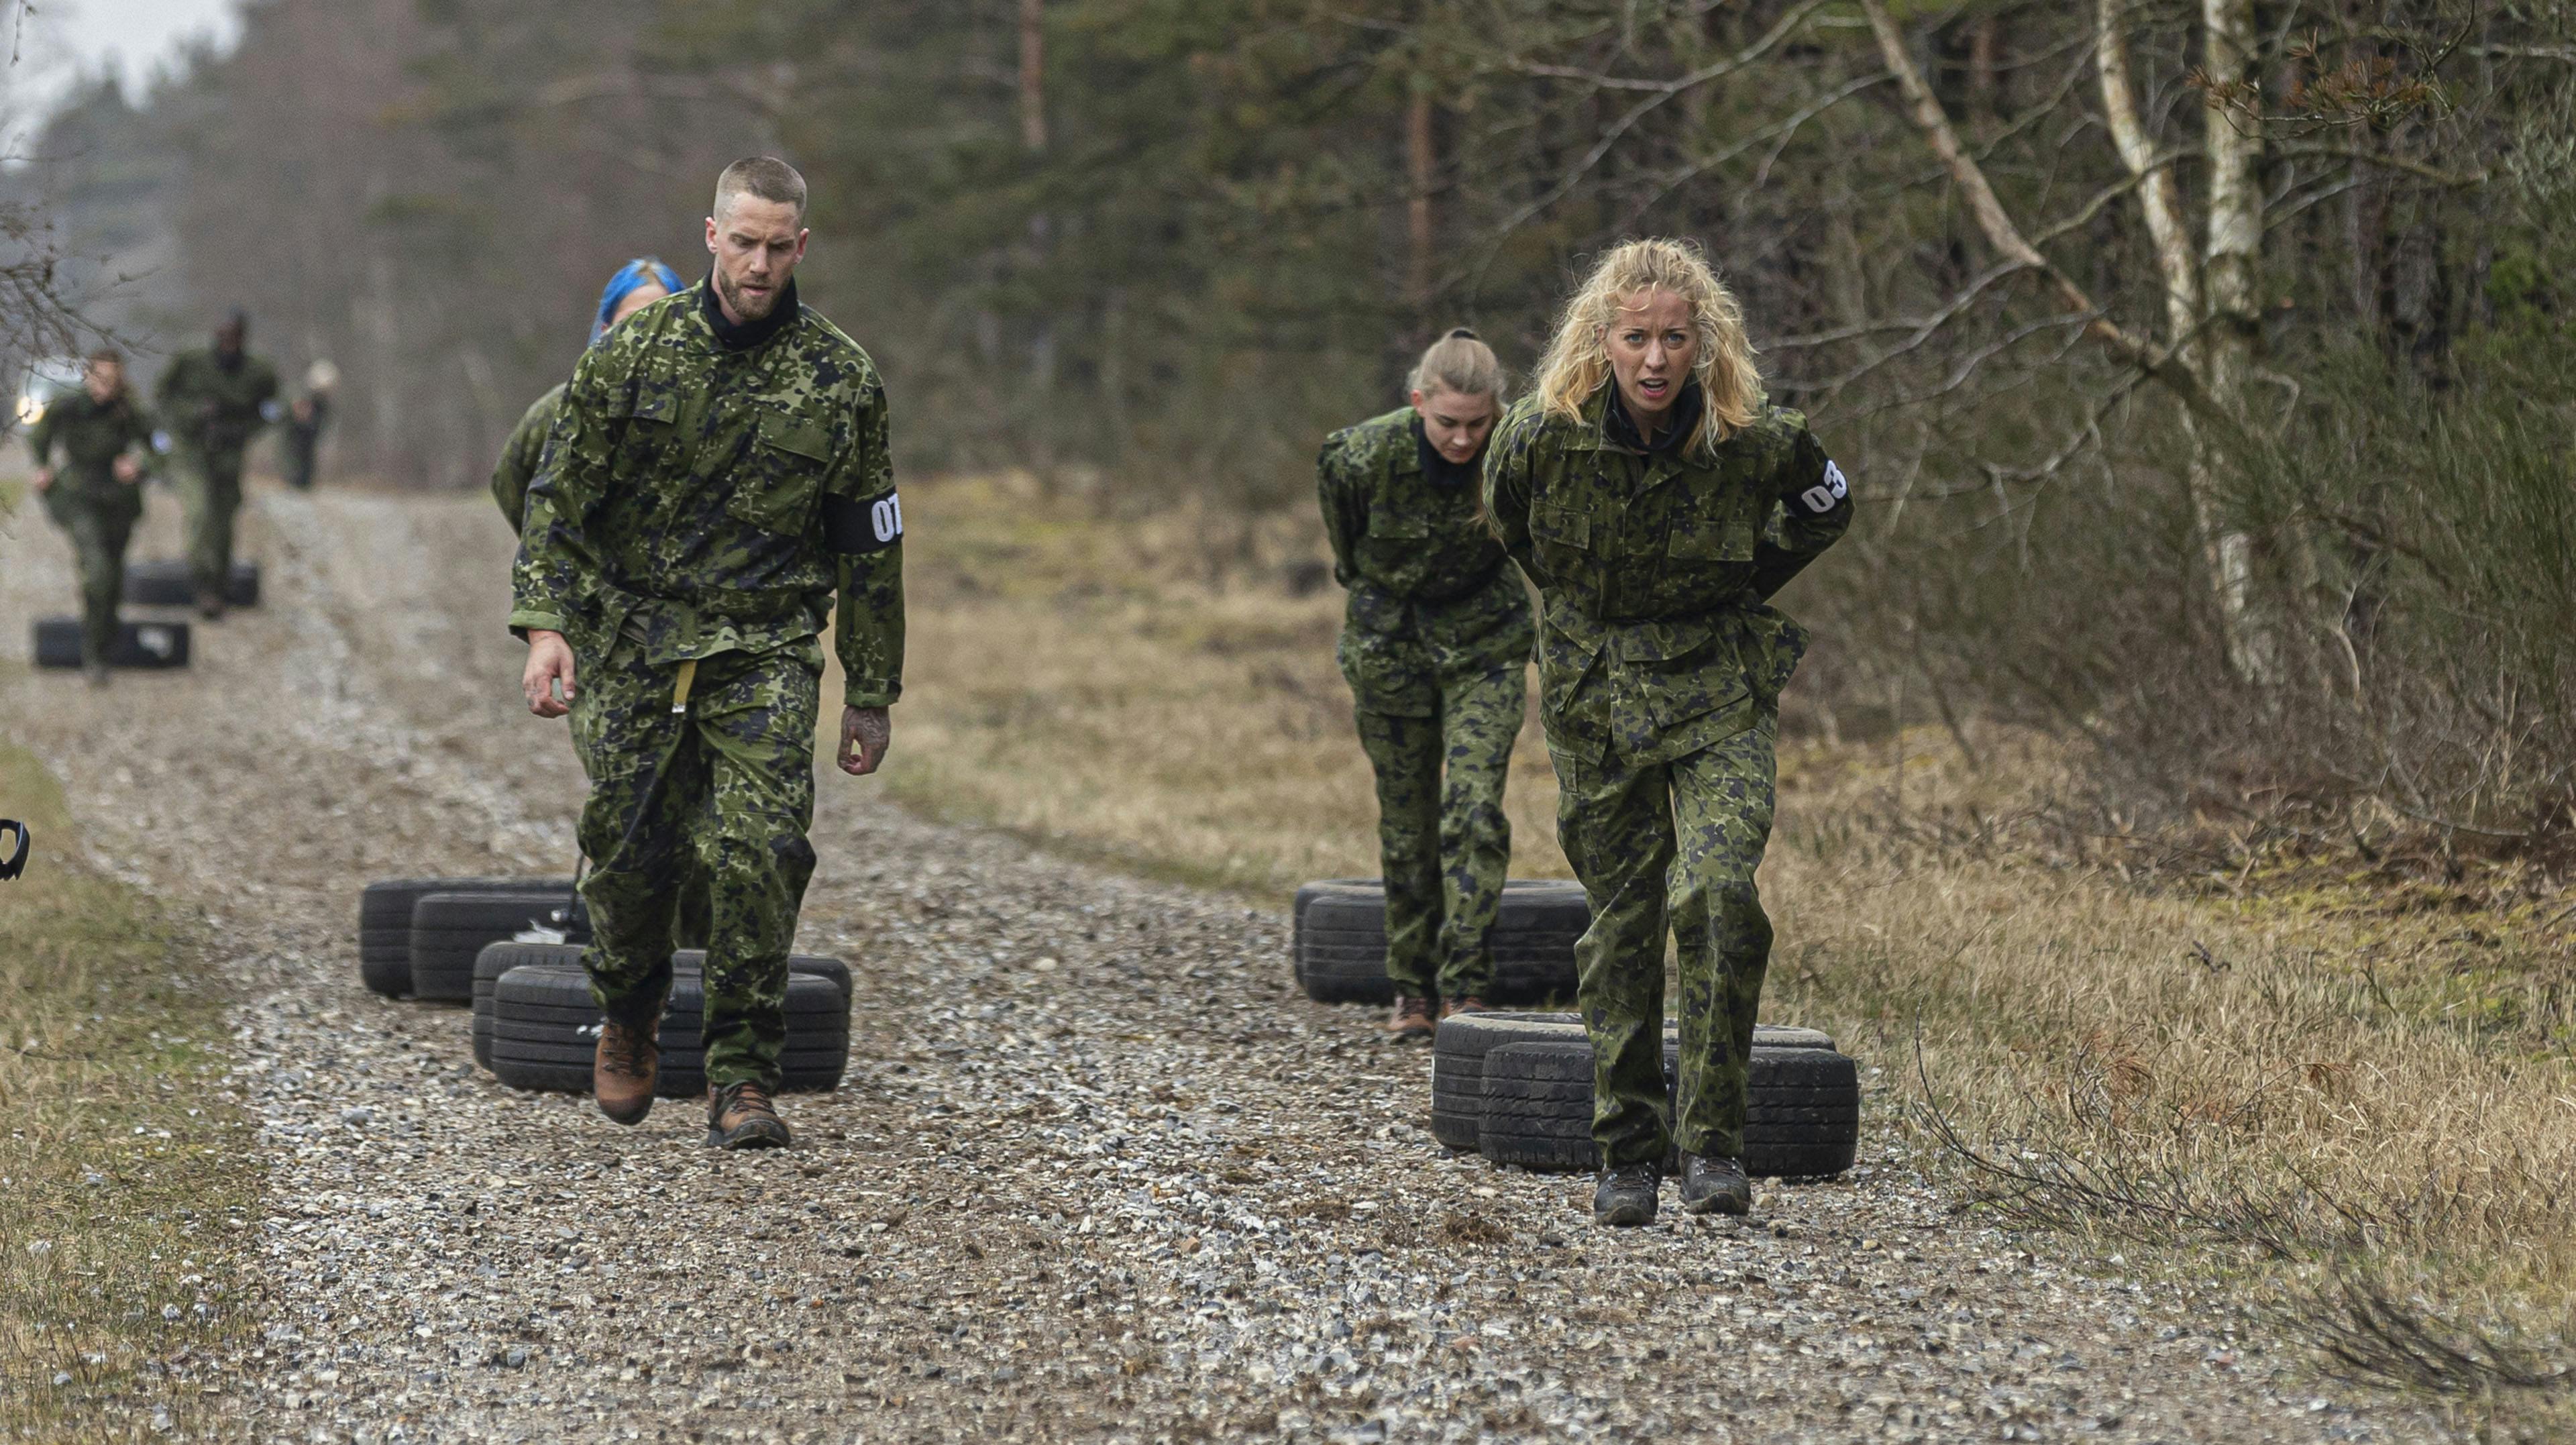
621,1071
740,1116
1414,1019
1452,1007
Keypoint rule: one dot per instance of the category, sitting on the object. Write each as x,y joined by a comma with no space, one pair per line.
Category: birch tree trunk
2178,264
2234,144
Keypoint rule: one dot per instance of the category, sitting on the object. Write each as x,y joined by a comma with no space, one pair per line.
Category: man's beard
740,302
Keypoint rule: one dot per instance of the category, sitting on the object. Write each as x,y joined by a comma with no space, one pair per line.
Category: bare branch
1627,121
2162,363
2163,210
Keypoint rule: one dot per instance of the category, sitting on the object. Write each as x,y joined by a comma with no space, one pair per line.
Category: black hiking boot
1711,1185
1627,1195
740,1116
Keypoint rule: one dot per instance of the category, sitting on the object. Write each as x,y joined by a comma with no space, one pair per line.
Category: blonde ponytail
1459,362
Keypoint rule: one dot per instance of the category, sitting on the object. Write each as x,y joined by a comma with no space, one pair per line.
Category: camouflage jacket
1654,572
212,409
520,453
92,435
1430,597
701,496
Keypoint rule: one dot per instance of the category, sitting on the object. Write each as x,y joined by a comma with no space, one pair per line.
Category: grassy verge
2343,1086
124,1184
1096,681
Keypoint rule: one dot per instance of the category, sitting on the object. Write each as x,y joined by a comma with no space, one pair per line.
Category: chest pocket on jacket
1555,526
781,474
647,429
1721,527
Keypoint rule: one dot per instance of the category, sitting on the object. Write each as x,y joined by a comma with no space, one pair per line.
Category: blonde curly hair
1577,363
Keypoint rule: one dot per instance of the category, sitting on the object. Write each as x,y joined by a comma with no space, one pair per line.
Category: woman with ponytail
1435,644
1657,502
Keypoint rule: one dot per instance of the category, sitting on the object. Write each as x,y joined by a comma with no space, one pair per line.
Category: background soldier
718,472
213,402
305,419
638,284
1435,645
96,495
1658,503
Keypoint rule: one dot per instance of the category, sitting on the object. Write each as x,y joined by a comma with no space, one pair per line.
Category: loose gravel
1097,1172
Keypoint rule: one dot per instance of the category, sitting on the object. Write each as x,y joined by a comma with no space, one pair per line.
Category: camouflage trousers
718,799
1671,843
209,483
1444,843
101,522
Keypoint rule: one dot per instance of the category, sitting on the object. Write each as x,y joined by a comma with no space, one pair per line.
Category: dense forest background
2203,367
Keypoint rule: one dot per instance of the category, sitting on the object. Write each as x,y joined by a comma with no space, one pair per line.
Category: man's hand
549,663
125,469
44,479
865,734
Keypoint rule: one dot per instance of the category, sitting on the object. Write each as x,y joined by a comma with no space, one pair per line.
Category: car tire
545,1028
1340,941
1802,1115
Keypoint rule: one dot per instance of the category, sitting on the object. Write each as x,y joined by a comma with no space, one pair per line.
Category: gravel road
1097,1172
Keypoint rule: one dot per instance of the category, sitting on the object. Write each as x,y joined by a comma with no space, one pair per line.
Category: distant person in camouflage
306,416
213,402
718,473
96,494
1436,646
638,284
1658,503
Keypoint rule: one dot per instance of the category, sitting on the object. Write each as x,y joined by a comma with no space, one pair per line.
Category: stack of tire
169,583
1517,1088
536,1026
417,937
148,645
1341,941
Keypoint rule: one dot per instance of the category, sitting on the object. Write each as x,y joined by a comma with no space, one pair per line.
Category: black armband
1826,494
853,528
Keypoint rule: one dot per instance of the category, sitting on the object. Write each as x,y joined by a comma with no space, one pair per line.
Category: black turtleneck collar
1679,423
1442,471
750,333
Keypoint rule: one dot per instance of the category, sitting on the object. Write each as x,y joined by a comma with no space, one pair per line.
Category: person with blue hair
638,284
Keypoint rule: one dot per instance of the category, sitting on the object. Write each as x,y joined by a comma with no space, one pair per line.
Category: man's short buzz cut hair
767,177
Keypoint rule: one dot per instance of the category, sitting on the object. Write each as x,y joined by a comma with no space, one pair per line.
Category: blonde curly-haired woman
1657,502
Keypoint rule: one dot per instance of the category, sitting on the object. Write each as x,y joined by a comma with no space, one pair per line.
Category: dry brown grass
2356,1088
125,1184
1098,682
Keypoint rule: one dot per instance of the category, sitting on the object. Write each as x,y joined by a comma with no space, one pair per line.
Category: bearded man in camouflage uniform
214,401
718,472
97,493
1436,646
1658,502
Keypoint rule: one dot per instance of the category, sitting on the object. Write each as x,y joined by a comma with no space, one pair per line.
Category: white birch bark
2234,144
